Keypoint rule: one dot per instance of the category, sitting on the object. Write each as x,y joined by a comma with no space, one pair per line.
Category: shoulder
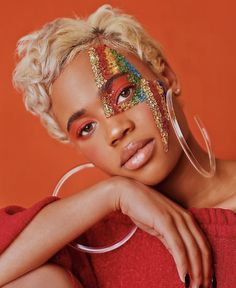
229,203
227,186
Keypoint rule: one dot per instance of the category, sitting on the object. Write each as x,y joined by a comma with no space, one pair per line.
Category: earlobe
171,79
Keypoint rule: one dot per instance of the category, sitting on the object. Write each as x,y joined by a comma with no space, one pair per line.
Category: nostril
126,131
114,142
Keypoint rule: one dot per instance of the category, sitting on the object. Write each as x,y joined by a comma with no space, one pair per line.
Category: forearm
53,227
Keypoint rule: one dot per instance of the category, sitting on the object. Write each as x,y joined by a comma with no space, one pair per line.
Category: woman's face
76,99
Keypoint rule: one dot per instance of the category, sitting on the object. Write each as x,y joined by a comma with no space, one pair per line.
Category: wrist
116,185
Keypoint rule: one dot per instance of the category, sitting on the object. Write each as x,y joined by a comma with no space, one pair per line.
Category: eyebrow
110,81
74,117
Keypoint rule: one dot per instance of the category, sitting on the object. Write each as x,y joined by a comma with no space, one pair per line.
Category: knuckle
190,219
180,254
178,217
183,263
167,220
206,253
196,249
180,248
197,277
195,252
208,281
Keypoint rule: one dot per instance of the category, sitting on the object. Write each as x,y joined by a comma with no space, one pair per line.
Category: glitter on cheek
156,102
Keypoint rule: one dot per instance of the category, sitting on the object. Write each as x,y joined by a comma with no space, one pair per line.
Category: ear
171,78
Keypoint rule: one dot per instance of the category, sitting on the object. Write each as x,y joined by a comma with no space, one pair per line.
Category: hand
173,225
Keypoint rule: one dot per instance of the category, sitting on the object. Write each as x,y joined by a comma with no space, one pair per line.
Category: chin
150,175
150,181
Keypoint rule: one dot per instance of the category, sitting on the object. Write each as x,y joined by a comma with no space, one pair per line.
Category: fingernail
214,283
187,281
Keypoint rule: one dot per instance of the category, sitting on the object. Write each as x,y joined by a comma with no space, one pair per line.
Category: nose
118,128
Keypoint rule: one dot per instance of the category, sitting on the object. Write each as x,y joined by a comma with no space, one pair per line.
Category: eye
125,93
86,129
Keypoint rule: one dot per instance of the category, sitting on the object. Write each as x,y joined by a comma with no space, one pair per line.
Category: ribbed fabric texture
143,262
13,220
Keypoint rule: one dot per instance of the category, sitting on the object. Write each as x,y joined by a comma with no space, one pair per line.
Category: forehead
75,88
74,80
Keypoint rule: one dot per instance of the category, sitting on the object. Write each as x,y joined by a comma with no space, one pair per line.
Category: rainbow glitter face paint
108,64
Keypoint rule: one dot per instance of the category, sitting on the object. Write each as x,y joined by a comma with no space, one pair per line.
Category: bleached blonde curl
44,53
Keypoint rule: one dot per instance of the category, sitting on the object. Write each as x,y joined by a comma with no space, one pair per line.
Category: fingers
201,240
189,248
176,229
176,246
195,268
204,248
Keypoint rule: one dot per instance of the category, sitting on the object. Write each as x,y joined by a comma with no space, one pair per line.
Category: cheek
92,152
95,152
143,118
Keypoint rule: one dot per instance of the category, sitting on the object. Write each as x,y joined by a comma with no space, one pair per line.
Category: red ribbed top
143,261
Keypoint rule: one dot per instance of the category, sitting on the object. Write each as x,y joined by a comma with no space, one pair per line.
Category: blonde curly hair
45,52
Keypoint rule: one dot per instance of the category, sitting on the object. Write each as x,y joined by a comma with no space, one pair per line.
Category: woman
105,86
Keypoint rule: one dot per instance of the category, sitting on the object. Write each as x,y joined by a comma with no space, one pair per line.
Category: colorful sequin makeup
107,64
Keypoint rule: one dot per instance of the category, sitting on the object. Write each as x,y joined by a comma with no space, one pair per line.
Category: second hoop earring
84,248
183,143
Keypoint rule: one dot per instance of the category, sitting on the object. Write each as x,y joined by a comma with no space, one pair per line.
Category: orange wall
199,40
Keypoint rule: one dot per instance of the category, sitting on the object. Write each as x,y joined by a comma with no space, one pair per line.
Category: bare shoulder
230,203
230,186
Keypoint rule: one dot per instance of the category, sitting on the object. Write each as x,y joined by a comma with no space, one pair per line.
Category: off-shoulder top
143,261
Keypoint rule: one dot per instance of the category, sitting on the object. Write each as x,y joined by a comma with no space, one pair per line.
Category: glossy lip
129,150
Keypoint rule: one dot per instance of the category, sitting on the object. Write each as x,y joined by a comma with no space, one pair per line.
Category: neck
189,188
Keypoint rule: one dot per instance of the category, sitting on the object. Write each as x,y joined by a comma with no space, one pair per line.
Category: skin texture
77,82
142,192
44,276
170,173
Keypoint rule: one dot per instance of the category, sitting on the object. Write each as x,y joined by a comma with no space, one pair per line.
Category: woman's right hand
173,225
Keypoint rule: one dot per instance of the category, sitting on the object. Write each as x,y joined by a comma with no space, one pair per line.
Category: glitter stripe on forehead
94,60
125,66
111,61
107,62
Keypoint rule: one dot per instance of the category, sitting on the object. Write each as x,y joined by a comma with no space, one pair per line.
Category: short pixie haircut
44,53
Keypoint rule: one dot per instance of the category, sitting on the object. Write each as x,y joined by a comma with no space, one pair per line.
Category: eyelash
129,88
79,134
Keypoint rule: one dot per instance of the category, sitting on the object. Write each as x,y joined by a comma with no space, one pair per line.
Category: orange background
199,40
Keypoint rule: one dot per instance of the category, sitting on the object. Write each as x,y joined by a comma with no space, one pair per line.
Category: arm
13,219
52,228
62,221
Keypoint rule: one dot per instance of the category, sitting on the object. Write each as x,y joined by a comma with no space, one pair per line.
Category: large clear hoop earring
184,144
84,248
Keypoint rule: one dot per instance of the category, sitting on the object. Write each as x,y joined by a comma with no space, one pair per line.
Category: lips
136,154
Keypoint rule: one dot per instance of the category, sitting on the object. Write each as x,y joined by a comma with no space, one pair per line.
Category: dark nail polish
187,281
214,283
